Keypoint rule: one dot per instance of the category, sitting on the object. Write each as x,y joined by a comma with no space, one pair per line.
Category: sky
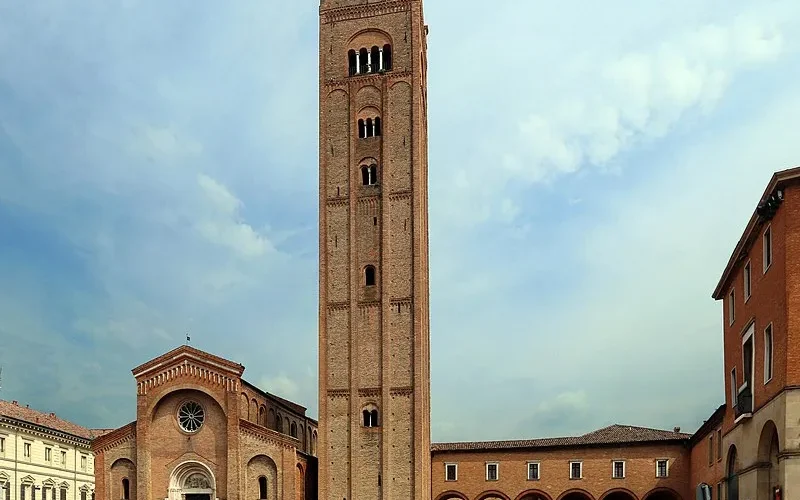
592,165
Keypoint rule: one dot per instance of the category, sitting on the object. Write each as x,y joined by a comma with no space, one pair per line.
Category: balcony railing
744,401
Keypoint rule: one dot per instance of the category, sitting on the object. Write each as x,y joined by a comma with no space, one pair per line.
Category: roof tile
12,409
613,434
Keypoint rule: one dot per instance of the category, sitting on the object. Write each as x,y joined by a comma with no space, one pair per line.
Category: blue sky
591,167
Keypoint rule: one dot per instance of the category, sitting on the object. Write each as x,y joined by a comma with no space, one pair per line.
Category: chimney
677,430
15,403
52,414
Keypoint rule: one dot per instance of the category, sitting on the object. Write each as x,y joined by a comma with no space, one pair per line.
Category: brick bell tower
374,349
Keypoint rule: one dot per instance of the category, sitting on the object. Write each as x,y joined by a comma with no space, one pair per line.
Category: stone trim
338,393
188,369
114,438
400,195
45,432
362,11
401,391
393,76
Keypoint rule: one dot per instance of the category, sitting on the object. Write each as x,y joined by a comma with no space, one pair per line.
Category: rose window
191,416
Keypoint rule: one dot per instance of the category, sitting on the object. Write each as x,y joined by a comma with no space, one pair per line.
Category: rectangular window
26,450
719,491
83,462
662,468
576,470
719,445
732,307
710,449
63,494
734,394
48,454
491,472
533,471
451,472
22,492
64,458
767,248
2,445
747,281
618,469
768,357
83,495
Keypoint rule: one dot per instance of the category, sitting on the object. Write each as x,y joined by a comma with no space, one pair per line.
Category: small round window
191,416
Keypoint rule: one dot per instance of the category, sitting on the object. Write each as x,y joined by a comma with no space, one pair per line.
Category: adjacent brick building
760,293
203,433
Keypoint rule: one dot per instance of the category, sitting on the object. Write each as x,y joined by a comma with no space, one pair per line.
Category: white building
43,457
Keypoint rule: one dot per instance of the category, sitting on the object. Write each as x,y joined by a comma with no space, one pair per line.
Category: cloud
224,228
597,107
280,385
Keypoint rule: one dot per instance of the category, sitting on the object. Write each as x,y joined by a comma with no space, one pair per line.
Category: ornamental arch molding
192,477
576,494
533,494
451,495
492,495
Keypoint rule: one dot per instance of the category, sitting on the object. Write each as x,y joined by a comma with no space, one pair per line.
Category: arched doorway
192,481
732,477
534,495
618,494
768,450
662,494
575,495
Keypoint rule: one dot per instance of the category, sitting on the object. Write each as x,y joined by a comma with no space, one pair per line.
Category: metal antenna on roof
1,377
188,338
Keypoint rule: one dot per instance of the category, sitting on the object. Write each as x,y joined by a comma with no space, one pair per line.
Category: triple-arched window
373,60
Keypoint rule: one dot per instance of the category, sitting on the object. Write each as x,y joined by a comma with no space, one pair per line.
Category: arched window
262,487
375,59
279,423
370,417
387,58
362,129
294,430
352,63
369,276
377,127
369,175
126,489
370,128
363,56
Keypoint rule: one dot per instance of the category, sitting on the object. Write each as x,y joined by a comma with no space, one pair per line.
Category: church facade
204,433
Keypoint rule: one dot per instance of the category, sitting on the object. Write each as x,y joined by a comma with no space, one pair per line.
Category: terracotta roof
778,180
13,410
613,434
300,409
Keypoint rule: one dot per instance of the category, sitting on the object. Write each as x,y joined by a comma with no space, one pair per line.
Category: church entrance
192,481
197,496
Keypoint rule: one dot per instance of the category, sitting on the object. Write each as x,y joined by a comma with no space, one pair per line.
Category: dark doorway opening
197,496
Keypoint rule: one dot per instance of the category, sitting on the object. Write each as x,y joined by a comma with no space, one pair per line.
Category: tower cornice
361,11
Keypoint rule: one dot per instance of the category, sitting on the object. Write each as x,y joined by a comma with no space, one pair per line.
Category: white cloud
223,226
280,385
638,97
